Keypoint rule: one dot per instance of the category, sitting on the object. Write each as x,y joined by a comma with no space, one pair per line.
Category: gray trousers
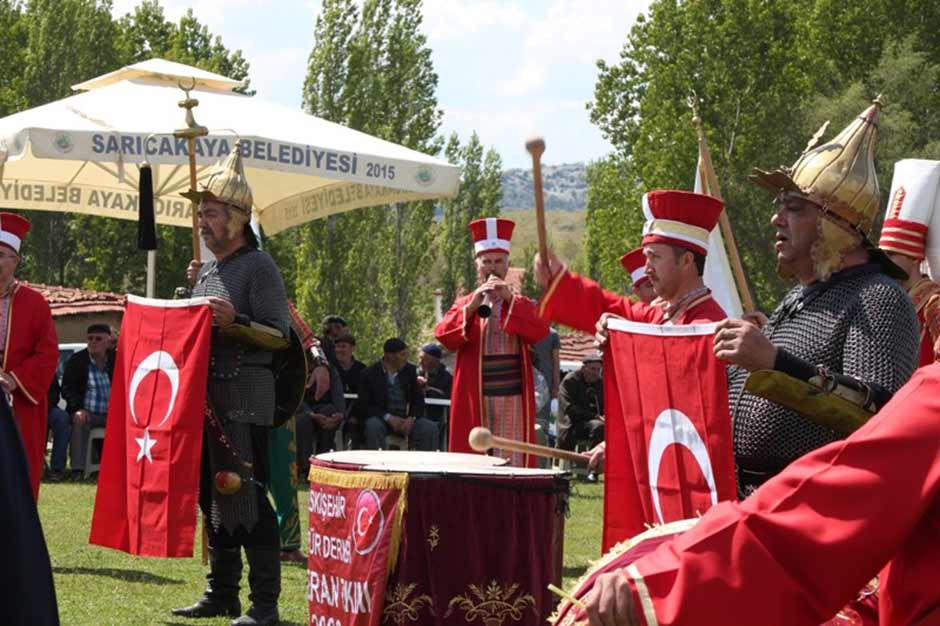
423,435
78,445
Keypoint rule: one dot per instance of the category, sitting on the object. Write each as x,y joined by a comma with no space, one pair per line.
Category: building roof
575,346
66,301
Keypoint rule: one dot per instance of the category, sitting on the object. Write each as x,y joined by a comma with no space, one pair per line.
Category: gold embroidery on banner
434,537
398,609
493,604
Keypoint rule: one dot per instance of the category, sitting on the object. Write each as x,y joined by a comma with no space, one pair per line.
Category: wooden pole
536,147
197,251
190,132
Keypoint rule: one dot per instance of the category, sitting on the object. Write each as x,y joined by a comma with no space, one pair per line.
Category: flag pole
189,133
710,187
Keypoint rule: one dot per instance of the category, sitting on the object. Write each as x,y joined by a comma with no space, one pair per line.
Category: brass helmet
839,177
229,185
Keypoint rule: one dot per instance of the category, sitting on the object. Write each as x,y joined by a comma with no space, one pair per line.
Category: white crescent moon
674,427
156,361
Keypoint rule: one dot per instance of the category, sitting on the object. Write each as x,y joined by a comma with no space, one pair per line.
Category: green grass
101,587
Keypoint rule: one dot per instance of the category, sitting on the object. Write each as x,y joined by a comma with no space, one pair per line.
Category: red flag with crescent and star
668,430
149,479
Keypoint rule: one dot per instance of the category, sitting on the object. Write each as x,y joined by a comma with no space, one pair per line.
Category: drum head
415,462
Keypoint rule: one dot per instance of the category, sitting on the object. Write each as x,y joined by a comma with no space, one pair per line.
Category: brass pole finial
693,104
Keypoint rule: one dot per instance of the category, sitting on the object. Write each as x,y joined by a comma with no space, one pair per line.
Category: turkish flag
668,430
149,480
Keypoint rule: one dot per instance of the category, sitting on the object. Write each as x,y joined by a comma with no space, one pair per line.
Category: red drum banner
355,534
668,431
149,481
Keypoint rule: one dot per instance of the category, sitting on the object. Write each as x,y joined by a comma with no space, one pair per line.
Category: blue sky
507,68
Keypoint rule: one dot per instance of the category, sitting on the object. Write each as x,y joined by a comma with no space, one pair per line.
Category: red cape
30,356
463,334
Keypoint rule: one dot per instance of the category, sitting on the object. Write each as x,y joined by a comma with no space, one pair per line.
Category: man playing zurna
911,210
491,329
243,285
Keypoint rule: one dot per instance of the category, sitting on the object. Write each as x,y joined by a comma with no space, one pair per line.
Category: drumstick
536,146
482,440
561,593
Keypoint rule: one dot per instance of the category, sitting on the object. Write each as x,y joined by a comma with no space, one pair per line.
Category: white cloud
447,21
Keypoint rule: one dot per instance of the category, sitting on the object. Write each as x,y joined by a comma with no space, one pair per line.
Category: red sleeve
807,541
34,373
578,302
453,330
523,320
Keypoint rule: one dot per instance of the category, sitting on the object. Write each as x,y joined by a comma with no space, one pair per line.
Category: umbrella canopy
79,154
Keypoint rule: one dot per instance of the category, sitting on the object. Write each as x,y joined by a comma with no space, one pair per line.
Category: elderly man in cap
434,379
391,401
243,286
581,405
29,351
86,387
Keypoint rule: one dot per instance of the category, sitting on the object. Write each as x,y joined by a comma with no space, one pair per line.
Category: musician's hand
192,272
223,311
601,335
596,457
610,601
741,343
80,417
478,296
7,382
755,317
499,289
546,270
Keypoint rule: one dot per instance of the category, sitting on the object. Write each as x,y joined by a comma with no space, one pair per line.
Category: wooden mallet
482,440
536,146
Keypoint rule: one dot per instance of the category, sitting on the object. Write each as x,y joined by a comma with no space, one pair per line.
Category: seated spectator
322,414
581,405
434,380
390,401
350,368
86,387
60,425
332,327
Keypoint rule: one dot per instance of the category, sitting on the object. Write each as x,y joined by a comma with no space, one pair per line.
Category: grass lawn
101,587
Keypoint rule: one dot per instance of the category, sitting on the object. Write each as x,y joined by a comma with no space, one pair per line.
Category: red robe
463,333
578,302
925,295
30,355
804,544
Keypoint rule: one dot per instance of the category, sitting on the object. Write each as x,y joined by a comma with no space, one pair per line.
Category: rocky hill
564,187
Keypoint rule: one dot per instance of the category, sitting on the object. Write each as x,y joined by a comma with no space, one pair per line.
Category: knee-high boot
222,584
264,579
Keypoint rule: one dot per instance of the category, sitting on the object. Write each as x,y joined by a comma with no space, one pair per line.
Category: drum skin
480,542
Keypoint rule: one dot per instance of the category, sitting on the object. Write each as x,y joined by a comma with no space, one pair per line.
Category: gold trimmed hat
838,177
229,185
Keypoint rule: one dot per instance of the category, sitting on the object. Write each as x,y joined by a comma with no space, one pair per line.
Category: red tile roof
575,346
71,301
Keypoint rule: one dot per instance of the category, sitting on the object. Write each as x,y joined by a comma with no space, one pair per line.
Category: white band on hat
677,230
638,274
491,244
10,239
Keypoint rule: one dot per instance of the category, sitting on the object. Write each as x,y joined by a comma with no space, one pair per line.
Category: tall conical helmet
227,183
839,177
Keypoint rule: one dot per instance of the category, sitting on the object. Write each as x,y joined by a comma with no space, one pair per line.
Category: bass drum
290,367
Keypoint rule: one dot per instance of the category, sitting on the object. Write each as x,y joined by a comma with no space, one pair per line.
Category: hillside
564,187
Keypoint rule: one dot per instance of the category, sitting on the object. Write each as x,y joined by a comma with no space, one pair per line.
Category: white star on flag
146,444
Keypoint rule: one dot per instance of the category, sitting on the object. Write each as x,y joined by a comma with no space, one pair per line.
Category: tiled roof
72,301
575,346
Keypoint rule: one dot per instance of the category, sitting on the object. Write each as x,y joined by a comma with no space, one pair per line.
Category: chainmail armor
859,323
241,385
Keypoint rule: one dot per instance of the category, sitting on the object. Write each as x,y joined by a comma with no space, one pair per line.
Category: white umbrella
75,154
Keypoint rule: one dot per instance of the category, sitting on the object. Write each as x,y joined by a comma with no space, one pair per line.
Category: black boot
264,578
221,594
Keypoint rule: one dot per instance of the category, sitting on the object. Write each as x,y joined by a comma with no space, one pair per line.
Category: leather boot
264,579
221,594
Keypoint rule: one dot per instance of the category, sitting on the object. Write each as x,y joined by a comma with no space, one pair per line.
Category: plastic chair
95,434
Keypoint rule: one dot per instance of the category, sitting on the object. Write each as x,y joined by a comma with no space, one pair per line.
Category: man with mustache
242,285
492,329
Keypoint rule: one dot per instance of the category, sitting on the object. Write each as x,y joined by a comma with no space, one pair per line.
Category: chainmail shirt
240,385
859,323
